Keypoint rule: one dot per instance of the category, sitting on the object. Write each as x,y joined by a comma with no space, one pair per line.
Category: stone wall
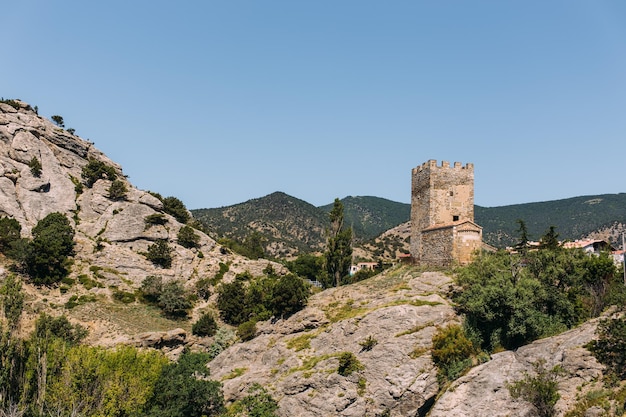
440,195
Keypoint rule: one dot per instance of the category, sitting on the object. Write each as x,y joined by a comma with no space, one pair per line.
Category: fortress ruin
443,231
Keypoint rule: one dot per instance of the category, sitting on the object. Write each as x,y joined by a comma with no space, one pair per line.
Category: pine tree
338,255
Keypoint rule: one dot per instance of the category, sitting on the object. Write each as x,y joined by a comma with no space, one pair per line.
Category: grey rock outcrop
111,235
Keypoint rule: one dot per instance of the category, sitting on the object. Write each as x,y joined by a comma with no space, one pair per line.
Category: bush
151,288
451,352
540,390
368,343
205,326
258,403
174,300
10,230
58,120
124,296
174,207
290,295
231,302
117,190
348,363
610,347
35,167
95,170
47,327
187,237
160,254
155,219
203,288
47,254
247,330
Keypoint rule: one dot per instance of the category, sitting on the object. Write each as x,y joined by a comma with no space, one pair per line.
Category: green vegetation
368,343
187,237
610,347
10,230
452,352
118,190
541,390
171,297
247,299
58,120
160,253
348,363
512,299
35,167
247,330
338,254
174,207
46,257
251,247
155,219
205,326
95,170
258,403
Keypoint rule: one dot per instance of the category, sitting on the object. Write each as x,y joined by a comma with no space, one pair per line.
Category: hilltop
291,226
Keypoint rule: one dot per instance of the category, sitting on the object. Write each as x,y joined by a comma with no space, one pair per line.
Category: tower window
455,218
451,193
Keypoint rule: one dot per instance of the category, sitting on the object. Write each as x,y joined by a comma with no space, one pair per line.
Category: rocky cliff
111,235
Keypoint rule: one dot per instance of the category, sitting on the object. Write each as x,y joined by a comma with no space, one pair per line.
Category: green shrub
10,230
155,219
247,330
610,347
95,170
203,288
35,167
174,207
58,120
290,295
117,190
160,253
258,403
187,237
151,288
368,343
47,255
47,327
451,351
205,326
124,296
540,390
348,363
174,300
231,302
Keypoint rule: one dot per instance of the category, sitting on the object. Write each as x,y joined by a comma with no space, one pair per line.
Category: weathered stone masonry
443,231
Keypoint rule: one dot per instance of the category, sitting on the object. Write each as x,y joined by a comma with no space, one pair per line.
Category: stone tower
443,231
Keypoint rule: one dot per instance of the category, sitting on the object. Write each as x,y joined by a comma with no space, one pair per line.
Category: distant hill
292,226
574,218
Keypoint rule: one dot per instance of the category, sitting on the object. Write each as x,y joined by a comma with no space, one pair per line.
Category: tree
117,190
338,255
258,403
184,389
550,240
174,300
540,390
187,237
231,302
12,299
610,347
176,208
58,120
35,167
205,326
522,245
10,230
95,170
160,253
290,295
47,254
151,288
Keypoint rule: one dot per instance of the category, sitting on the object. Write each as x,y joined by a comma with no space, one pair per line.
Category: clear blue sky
218,102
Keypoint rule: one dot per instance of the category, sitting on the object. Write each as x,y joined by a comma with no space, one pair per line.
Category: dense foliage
452,352
540,389
338,254
10,230
46,257
160,253
512,299
187,237
610,347
117,190
247,299
95,170
175,207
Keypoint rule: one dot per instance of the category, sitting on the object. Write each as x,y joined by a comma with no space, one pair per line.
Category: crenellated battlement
442,198
431,164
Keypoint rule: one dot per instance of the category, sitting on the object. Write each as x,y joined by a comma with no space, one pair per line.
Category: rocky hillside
112,235
298,359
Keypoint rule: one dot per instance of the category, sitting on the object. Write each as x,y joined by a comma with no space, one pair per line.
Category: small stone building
443,231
